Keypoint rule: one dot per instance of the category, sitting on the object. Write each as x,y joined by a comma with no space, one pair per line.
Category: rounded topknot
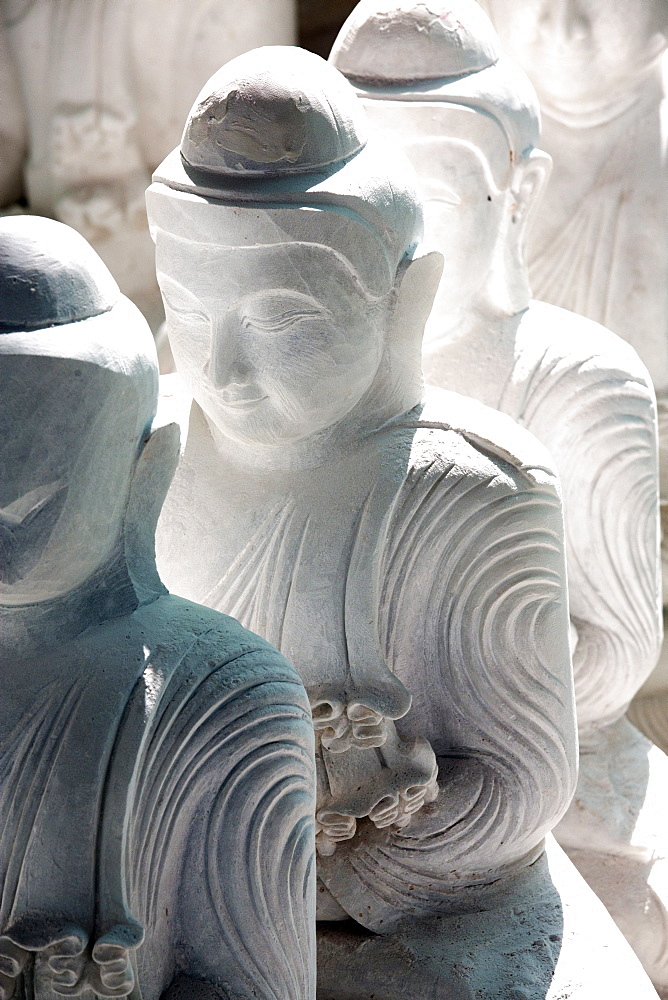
437,50
280,129
430,40
272,111
49,275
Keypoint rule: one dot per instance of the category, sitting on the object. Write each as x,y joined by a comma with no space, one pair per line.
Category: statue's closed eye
185,311
283,321
25,528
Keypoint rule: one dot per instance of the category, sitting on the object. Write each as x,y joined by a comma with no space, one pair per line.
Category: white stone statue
93,94
467,116
403,549
156,759
598,244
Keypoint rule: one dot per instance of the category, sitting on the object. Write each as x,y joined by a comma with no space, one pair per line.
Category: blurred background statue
94,93
598,243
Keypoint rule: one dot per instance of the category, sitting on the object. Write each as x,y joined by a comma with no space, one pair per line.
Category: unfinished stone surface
468,118
156,759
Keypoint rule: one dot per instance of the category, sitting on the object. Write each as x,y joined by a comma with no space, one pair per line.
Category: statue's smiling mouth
241,397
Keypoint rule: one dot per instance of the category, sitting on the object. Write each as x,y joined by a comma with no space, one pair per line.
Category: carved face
275,343
581,50
463,163
67,449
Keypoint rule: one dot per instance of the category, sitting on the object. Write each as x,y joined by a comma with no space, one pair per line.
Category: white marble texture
157,778
468,118
405,549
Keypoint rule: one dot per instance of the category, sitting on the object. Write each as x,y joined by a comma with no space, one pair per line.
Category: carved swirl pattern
198,857
471,610
594,408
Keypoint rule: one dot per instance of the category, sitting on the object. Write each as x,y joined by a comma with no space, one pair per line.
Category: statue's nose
565,19
227,362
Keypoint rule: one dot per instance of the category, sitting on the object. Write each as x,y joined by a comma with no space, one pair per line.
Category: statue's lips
240,398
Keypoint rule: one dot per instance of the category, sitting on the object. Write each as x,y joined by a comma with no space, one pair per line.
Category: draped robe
447,519
158,771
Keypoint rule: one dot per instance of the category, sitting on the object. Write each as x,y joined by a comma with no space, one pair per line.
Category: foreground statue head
433,73
127,855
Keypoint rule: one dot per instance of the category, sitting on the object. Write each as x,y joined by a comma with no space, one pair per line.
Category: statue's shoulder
455,431
549,336
209,639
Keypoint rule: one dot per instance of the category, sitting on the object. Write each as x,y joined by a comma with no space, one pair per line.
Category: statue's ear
529,182
417,284
153,473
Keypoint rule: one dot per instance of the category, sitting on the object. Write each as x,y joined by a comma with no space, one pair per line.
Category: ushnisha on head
78,391
434,75
282,235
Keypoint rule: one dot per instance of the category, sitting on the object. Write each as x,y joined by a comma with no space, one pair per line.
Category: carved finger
385,811
12,958
338,740
70,942
327,712
368,737
107,983
413,798
358,712
324,845
66,972
337,827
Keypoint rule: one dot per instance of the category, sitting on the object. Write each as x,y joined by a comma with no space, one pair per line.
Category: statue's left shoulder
193,632
561,339
484,439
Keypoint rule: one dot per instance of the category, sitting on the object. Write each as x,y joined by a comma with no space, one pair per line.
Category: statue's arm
475,622
599,421
485,637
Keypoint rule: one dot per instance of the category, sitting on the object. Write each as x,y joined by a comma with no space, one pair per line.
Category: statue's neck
610,110
32,629
471,351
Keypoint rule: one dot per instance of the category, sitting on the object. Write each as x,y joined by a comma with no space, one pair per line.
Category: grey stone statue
156,759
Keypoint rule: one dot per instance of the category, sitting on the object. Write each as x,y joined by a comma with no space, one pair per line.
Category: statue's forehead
231,273
430,122
202,221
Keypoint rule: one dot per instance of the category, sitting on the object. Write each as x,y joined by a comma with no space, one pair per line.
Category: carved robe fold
449,518
157,771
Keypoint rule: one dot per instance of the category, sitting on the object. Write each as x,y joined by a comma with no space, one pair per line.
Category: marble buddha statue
402,548
157,778
432,74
